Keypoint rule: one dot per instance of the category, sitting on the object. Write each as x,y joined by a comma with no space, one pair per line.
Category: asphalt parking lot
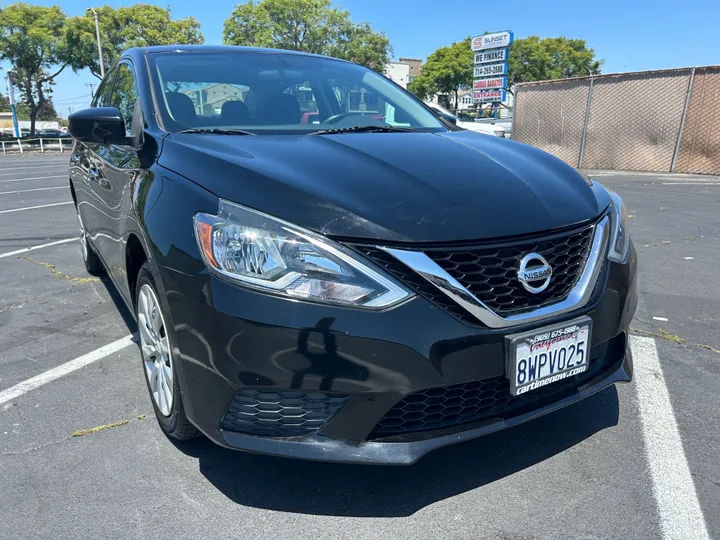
640,461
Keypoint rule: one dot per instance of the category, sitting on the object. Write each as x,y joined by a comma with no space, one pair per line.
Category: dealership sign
491,67
488,96
492,41
493,55
494,82
488,70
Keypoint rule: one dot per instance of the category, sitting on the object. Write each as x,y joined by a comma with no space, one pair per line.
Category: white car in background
466,121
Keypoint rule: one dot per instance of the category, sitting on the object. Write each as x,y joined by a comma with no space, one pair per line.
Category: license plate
548,355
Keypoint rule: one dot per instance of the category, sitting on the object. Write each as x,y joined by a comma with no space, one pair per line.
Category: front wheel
158,362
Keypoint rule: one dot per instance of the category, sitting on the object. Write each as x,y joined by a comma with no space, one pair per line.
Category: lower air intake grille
447,406
280,414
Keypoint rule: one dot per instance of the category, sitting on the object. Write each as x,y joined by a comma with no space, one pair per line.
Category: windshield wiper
360,129
217,131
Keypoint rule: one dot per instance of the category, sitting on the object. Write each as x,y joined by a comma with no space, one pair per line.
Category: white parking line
36,178
681,517
33,248
5,162
691,183
24,387
28,190
34,207
26,170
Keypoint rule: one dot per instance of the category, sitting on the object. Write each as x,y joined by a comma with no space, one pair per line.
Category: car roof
159,49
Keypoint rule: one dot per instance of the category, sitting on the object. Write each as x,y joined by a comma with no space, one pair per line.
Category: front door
112,179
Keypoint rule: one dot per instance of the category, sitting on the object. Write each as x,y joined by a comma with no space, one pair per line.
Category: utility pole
11,98
92,89
97,34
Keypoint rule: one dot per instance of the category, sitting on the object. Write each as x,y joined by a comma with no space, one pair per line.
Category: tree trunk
33,116
35,109
457,102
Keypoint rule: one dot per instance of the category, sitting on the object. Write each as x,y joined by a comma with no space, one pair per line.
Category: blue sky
630,35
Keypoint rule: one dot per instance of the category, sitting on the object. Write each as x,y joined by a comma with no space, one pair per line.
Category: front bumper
229,340
323,448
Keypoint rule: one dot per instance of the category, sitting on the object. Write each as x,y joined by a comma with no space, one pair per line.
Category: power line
76,98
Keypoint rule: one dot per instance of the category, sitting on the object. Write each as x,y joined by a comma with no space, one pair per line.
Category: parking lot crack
672,338
60,275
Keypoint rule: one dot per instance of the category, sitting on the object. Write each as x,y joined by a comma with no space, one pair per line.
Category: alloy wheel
83,238
155,348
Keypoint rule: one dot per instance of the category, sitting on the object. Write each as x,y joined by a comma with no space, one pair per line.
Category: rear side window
124,95
102,97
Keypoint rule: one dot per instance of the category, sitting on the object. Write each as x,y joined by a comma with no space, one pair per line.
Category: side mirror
450,118
443,116
100,125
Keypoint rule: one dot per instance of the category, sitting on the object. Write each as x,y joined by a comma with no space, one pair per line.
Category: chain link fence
655,121
700,140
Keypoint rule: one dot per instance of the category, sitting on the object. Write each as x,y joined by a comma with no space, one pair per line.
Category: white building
398,73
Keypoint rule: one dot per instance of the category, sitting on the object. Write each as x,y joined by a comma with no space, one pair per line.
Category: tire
93,264
157,360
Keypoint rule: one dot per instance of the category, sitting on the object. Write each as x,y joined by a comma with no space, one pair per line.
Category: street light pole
11,98
97,33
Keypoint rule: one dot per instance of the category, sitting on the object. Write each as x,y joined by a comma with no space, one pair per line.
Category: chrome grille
491,272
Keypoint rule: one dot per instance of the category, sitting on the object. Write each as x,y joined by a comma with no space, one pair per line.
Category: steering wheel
335,118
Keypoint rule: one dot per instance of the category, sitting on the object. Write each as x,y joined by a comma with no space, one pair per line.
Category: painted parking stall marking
34,207
33,248
29,190
680,515
24,387
35,178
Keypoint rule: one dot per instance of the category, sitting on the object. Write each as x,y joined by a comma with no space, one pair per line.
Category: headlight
276,257
499,133
619,233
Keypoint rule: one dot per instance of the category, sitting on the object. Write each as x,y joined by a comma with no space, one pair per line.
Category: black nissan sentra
321,268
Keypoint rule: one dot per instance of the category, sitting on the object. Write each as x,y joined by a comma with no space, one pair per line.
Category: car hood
477,127
391,187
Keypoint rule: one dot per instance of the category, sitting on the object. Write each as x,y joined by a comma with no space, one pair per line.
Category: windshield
278,93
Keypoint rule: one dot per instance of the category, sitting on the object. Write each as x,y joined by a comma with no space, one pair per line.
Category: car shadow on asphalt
307,487
122,308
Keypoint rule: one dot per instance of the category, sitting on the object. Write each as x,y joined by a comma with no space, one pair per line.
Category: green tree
140,25
4,104
314,26
32,39
47,112
535,59
447,71
362,45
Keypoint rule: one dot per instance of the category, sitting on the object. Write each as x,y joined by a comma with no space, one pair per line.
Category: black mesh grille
280,414
490,273
416,282
447,406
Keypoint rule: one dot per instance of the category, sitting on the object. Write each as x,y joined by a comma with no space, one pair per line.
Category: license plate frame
526,339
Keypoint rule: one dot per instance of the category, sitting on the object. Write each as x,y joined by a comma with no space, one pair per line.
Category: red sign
486,96
498,82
